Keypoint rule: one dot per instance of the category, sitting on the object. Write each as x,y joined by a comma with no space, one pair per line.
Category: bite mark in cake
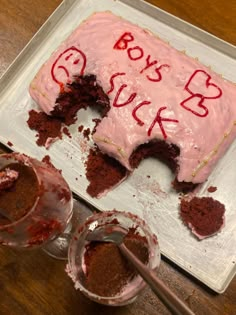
146,92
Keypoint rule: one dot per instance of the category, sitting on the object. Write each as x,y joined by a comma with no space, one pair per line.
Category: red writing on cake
129,100
112,80
158,119
137,53
195,103
71,56
199,80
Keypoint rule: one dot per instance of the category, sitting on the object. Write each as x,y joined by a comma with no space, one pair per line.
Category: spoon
115,234
5,215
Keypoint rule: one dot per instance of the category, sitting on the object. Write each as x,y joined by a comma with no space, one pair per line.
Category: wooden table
32,283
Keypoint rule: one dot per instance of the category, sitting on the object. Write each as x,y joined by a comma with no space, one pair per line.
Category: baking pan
212,260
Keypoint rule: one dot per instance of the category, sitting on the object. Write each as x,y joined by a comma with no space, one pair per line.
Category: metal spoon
116,234
5,215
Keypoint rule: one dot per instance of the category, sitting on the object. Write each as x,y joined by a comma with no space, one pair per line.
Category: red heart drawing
212,91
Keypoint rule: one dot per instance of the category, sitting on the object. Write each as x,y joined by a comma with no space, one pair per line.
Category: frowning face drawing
70,62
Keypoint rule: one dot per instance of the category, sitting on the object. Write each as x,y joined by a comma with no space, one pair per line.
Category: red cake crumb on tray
9,143
47,127
212,189
204,216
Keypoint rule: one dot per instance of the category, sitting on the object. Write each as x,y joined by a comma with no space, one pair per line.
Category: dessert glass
50,214
76,267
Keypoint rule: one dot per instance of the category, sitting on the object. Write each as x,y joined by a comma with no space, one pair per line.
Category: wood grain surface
32,283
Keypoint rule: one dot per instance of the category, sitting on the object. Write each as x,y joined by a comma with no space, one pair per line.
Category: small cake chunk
204,216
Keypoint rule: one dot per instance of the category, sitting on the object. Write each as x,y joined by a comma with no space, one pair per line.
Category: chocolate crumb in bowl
35,201
9,143
107,270
19,194
99,270
48,128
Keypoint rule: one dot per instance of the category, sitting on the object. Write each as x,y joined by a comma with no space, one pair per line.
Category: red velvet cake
107,270
204,216
19,190
153,100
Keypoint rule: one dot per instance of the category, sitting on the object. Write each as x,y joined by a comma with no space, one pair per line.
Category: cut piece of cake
204,216
153,99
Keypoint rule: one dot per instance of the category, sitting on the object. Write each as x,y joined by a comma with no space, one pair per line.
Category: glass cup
78,269
37,207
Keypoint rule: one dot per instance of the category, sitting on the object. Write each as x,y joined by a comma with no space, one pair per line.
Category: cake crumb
211,189
47,160
97,122
66,132
86,133
80,128
47,127
9,143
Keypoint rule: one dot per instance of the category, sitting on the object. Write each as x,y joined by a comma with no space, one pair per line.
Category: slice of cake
204,216
153,99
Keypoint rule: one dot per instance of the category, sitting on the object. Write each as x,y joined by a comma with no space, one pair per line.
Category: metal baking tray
212,260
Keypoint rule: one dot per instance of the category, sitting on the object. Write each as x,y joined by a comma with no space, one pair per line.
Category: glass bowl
82,269
46,215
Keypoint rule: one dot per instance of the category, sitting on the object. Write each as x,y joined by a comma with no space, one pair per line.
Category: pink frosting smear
7,178
155,92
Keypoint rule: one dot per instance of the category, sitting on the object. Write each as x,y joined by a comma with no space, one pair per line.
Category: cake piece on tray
153,99
204,216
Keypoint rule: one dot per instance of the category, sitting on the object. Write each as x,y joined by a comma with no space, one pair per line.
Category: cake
153,100
35,201
18,192
107,271
99,269
204,216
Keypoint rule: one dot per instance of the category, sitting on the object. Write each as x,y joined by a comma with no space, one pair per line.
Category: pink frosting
7,178
155,92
